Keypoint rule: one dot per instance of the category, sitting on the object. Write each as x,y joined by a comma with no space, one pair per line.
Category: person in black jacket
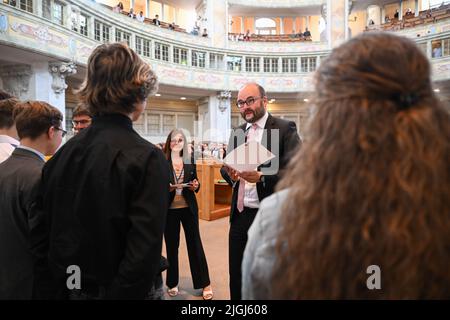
250,188
105,191
39,128
184,209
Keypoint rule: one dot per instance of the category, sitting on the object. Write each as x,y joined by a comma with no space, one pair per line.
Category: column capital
59,71
224,98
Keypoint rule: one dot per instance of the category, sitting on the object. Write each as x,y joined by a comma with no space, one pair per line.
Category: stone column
48,83
216,21
337,21
374,13
214,115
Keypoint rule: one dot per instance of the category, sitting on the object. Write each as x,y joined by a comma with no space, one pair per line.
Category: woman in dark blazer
183,209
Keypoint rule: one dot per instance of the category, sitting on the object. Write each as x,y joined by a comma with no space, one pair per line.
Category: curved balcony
185,60
277,3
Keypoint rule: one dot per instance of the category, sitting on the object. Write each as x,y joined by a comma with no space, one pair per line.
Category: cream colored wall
423,5
278,25
169,13
155,9
288,25
359,25
249,23
298,24
236,27
408,4
139,5
390,9
183,18
112,3
314,27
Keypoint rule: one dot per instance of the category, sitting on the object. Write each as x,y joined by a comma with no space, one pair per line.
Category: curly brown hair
117,78
371,184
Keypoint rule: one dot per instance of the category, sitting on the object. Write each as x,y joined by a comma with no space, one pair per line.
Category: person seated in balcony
409,13
131,14
205,33
396,14
247,36
118,8
156,21
293,35
194,31
307,33
172,26
240,37
437,51
140,17
300,35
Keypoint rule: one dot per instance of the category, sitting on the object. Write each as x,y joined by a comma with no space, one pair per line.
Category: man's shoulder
281,123
26,168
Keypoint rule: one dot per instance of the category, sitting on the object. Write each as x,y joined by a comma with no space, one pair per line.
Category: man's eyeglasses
82,122
177,140
250,101
64,132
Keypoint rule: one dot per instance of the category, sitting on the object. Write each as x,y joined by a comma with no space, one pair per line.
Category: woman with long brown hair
183,209
369,190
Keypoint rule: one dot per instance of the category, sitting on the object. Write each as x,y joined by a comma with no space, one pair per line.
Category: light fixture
157,95
272,100
437,90
306,100
183,98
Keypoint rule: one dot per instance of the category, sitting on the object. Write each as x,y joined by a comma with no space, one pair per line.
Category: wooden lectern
214,197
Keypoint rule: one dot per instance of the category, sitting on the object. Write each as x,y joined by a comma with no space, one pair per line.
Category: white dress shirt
7,146
251,199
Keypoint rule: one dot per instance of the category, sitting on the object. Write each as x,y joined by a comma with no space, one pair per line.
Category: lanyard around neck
175,175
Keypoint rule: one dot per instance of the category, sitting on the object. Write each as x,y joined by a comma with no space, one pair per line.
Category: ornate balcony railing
182,59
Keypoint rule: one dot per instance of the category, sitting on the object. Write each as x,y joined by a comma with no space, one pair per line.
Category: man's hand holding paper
245,159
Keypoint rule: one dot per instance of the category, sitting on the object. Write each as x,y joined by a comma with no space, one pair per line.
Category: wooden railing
410,21
269,38
163,24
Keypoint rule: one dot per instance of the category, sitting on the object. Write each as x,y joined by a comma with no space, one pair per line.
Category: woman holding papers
183,209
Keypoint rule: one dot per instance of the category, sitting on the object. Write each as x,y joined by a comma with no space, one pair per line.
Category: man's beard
257,114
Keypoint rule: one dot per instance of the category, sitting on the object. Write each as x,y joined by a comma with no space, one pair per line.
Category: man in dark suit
250,188
156,21
39,129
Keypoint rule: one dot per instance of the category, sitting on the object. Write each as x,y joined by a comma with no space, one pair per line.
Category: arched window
265,26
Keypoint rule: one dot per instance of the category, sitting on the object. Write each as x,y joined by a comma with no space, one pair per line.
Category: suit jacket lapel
266,138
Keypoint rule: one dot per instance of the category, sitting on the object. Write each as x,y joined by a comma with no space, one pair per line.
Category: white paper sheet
248,156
